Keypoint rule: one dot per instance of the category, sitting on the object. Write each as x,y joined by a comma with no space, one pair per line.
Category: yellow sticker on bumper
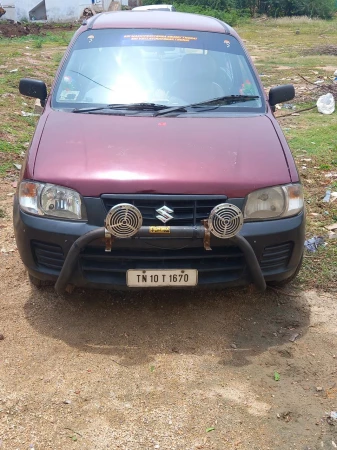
160,230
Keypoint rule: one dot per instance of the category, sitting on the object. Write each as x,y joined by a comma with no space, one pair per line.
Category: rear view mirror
280,94
33,88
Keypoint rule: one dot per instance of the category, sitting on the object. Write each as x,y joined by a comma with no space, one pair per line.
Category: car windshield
164,67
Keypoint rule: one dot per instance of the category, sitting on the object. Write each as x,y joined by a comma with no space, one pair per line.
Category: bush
231,11
231,16
218,9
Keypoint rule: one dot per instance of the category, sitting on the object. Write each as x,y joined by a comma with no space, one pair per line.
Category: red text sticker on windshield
159,37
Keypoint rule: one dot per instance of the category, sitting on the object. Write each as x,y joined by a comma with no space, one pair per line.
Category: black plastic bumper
263,252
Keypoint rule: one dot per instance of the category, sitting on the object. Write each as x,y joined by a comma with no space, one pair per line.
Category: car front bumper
262,252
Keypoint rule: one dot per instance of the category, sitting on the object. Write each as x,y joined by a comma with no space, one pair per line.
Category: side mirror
280,94
33,88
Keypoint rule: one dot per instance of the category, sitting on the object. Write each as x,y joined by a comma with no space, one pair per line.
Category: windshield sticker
91,38
67,95
228,44
159,37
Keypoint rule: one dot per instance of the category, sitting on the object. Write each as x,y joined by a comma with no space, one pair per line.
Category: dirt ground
8,29
160,370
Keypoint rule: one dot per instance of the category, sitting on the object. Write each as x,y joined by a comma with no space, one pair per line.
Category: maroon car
157,161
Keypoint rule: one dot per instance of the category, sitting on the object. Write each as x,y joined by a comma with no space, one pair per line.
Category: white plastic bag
326,104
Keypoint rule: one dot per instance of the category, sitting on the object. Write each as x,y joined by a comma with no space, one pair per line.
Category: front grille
219,265
188,210
276,257
49,256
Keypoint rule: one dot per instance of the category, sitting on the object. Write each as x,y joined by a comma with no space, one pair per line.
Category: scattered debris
67,402
332,227
300,110
326,199
294,337
17,166
210,429
234,346
7,95
76,432
2,337
88,12
319,389
289,106
332,231
333,415
13,70
286,416
27,114
37,107
312,244
277,376
326,104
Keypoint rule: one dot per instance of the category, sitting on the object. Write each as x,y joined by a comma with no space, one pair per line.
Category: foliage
234,9
233,17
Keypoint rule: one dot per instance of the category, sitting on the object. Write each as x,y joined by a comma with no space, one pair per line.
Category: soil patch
328,49
10,29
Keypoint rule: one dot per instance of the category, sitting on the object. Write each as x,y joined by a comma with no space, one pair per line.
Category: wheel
39,283
287,280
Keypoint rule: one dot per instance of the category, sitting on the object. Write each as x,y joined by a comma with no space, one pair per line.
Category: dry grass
296,20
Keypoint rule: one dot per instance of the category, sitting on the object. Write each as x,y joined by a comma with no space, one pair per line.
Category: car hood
97,154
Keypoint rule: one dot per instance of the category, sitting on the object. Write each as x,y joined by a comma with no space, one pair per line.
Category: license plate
168,277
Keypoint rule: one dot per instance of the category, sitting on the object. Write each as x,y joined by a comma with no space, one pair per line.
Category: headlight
274,202
50,200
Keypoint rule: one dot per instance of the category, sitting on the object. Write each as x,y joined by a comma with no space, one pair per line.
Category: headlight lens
51,200
274,202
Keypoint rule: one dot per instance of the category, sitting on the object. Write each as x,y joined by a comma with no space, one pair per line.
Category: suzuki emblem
164,214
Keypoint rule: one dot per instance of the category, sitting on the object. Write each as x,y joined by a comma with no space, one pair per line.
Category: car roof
148,7
158,20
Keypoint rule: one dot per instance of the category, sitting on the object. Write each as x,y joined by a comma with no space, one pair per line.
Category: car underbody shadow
232,325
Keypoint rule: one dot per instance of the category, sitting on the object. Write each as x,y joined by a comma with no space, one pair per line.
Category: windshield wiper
126,106
228,100
164,109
